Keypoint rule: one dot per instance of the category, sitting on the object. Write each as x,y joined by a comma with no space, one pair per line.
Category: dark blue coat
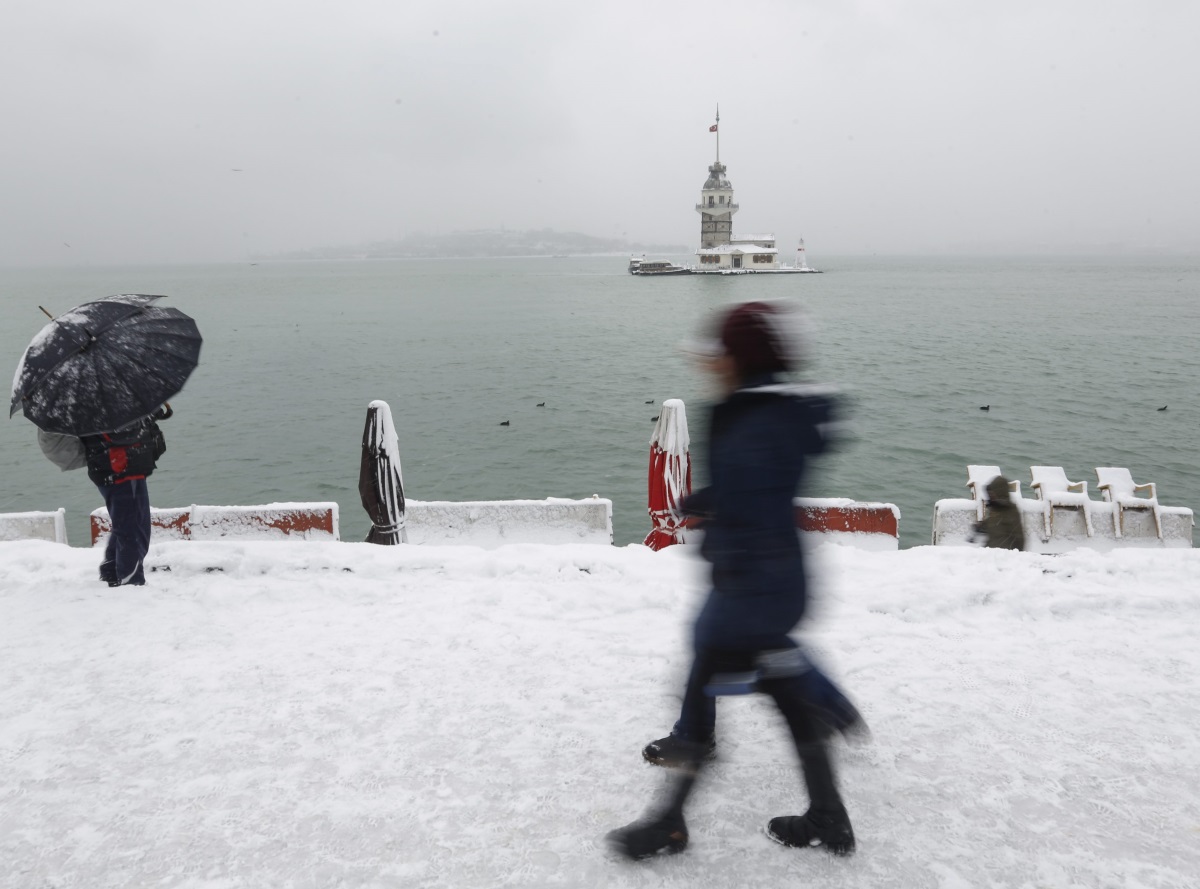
759,441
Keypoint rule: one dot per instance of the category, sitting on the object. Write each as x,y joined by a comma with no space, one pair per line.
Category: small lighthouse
716,207
801,257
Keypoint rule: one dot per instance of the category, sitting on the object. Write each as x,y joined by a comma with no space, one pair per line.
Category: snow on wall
309,521
873,526
492,523
483,523
270,521
50,526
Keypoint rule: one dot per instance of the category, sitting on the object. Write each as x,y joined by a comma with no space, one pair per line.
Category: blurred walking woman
761,435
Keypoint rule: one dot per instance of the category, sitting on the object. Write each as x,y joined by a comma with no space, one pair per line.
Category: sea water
1073,356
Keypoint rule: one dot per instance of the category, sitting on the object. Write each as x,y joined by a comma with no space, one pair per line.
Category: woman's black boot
826,822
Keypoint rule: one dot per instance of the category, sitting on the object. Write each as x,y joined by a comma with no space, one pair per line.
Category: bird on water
985,407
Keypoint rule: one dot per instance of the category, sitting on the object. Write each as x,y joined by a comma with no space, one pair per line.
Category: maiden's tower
721,251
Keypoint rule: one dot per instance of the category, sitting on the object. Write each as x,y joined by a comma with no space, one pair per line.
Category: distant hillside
483,243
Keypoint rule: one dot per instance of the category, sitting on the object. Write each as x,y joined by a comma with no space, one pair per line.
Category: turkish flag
713,128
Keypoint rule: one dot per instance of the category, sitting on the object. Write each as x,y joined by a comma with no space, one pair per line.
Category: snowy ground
339,715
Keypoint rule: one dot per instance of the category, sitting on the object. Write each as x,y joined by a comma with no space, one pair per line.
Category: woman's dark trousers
128,505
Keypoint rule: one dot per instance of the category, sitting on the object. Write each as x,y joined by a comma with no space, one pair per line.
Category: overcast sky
159,131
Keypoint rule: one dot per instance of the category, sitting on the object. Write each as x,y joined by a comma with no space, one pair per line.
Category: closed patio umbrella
670,477
380,485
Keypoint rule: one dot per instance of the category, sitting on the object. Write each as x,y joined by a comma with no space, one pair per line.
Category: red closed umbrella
670,478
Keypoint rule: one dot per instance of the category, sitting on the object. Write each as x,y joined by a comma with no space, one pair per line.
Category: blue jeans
128,505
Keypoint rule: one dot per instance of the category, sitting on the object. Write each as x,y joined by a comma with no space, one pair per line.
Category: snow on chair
1053,489
1120,489
977,480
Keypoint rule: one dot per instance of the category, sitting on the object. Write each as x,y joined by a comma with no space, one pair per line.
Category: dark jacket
1002,521
759,440
128,453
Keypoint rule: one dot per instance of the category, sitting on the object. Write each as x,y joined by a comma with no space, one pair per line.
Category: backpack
113,457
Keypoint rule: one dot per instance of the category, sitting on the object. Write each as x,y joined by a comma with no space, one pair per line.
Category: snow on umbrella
380,484
670,478
105,364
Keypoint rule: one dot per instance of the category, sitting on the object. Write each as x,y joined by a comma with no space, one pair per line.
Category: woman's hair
764,337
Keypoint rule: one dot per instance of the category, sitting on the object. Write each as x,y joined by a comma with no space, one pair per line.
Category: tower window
710,200
722,199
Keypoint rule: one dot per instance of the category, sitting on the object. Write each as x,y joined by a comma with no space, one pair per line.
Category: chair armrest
1077,487
1149,486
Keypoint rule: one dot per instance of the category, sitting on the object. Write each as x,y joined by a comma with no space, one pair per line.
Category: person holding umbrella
101,374
118,464
761,435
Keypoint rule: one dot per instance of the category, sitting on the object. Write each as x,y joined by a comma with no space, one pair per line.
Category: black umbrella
105,364
380,485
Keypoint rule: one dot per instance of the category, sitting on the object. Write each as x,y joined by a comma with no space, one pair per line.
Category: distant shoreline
479,244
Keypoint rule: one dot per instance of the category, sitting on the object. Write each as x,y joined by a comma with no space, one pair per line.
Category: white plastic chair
977,480
1053,489
1120,489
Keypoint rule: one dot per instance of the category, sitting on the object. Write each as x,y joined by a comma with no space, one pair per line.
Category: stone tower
716,207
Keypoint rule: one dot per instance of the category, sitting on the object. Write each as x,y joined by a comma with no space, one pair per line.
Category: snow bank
357,715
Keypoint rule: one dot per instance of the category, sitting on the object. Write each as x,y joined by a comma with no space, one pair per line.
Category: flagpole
718,132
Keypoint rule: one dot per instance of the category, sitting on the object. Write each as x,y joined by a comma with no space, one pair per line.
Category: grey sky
876,125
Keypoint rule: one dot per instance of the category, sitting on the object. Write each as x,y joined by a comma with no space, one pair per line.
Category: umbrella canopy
64,451
670,478
104,365
380,485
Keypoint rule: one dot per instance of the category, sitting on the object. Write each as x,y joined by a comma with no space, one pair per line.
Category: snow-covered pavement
341,715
